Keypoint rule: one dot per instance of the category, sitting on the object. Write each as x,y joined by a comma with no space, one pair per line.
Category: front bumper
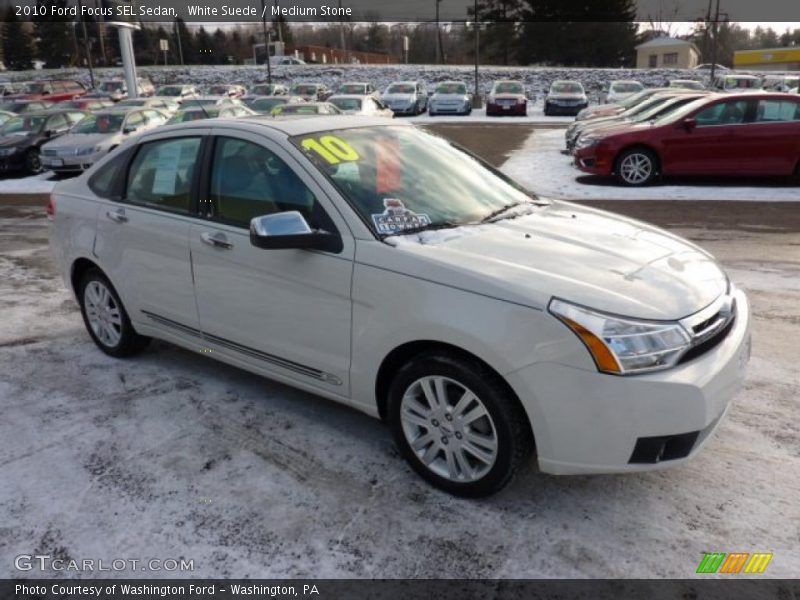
517,109
590,160
70,163
562,109
588,422
13,162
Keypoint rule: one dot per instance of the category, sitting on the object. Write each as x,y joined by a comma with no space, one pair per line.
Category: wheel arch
408,350
79,268
642,146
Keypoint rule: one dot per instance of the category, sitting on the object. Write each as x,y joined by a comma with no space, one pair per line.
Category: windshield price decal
397,218
332,149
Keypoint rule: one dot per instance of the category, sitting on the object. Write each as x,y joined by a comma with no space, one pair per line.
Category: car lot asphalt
173,455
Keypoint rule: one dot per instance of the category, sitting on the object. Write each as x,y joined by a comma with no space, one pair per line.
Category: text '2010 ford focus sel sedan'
384,268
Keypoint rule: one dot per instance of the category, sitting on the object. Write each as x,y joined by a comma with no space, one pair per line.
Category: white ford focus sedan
385,268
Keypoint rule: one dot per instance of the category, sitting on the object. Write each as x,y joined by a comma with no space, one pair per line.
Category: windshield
566,87
401,88
304,90
266,104
451,88
218,90
508,87
632,101
732,83
31,124
662,109
200,102
298,109
184,116
34,88
170,90
265,89
346,103
677,115
111,86
401,178
626,87
645,106
352,88
100,123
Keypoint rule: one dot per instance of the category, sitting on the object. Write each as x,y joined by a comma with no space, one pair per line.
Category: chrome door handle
118,216
217,240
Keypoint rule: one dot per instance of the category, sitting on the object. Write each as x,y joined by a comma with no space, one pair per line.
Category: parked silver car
354,104
450,98
95,136
384,268
406,97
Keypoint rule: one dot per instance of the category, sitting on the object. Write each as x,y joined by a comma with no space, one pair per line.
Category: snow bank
36,184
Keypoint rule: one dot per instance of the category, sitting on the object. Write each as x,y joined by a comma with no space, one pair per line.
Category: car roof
452,81
345,96
293,127
50,111
408,82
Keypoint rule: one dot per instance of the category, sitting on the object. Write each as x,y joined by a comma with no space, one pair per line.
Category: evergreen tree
500,30
187,42
17,46
54,36
204,47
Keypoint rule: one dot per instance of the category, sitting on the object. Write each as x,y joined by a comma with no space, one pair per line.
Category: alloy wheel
636,168
103,313
449,429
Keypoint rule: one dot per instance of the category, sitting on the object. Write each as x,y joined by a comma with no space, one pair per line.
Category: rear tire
636,167
457,424
105,317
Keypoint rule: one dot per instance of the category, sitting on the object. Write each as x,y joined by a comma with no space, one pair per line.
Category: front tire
457,424
105,317
636,167
33,162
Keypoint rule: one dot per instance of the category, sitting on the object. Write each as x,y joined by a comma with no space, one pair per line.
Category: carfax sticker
396,218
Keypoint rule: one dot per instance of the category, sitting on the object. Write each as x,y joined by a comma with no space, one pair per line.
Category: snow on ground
535,116
171,454
35,184
540,166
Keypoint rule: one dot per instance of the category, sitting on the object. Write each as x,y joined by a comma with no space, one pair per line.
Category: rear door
770,144
143,236
285,312
711,147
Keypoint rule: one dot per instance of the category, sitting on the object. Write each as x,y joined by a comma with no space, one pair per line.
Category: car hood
599,111
582,255
398,97
613,127
507,96
16,139
566,96
80,140
449,97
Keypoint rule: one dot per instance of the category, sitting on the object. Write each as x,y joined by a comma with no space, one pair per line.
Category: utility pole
476,101
714,44
178,37
280,27
341,34
439,52
266,40
86,44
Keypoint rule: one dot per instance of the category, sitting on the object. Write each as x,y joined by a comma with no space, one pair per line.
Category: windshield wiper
431,227
496,213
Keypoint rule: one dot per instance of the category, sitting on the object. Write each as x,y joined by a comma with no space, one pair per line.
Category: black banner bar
732,588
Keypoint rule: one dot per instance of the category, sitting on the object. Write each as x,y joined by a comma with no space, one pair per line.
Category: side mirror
689,124
289,230
131,129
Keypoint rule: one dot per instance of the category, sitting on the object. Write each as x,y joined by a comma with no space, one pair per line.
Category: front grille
49,152
708,344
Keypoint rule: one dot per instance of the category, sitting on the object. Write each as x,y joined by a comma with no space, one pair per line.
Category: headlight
620,345
7,151
586,142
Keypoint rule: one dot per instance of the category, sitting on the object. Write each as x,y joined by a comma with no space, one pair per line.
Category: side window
56,123
248,180
154,117
161,174
723,113
106,181
75,117
134,120
772,111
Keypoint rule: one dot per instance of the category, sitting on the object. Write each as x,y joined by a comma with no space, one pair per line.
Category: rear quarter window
107,182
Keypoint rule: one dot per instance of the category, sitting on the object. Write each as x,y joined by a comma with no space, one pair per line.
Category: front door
287,312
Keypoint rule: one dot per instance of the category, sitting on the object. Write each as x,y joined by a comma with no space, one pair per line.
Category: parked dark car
746,134
22,137
507,98
264,104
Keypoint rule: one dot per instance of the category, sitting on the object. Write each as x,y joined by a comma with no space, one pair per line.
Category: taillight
51,208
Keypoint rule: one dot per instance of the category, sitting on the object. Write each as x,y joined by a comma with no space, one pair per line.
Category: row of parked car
669,131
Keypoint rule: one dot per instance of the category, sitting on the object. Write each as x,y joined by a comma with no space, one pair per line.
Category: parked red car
743,134
507,98
54,91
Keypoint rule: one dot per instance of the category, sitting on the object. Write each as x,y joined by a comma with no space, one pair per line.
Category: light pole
87,47
714,44
476,101
266,40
